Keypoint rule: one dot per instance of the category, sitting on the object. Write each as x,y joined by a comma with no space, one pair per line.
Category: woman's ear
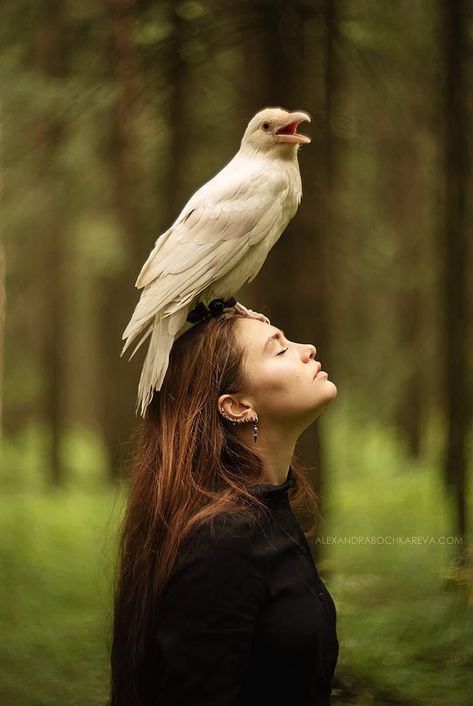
234,409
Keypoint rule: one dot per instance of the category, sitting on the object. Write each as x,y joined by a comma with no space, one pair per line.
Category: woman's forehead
253,332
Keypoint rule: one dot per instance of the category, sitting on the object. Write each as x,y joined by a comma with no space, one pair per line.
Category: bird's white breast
282,179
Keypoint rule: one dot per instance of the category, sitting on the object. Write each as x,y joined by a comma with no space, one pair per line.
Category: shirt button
322,596
303,549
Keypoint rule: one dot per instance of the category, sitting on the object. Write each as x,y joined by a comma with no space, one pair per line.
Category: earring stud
242,421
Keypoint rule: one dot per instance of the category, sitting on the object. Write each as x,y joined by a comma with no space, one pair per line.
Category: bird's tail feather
163,333
140,342
134,329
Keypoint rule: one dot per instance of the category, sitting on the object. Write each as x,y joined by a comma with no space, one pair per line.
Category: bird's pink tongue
288,129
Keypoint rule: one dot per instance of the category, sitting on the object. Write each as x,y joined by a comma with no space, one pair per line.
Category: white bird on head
219,241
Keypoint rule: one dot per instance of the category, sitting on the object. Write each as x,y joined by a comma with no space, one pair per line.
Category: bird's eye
265,126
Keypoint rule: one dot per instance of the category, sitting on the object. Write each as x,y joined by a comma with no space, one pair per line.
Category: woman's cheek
277,378
270,389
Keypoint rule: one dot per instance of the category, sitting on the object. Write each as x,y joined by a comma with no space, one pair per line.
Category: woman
218,600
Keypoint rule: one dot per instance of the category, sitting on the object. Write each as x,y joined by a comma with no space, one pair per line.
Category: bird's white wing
240,189
212,235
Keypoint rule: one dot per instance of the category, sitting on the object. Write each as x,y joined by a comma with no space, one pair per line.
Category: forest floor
404,612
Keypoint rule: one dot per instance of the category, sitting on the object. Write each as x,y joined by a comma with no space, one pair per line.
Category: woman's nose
311,351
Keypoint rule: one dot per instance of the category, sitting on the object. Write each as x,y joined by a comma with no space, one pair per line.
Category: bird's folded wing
238,205
208,241
194,265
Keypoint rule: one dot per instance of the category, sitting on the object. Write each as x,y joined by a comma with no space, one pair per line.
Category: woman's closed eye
281,352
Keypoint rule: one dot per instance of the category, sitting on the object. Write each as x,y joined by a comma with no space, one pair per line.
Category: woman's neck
277,449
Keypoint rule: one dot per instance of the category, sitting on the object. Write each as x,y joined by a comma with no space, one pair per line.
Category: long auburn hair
188,466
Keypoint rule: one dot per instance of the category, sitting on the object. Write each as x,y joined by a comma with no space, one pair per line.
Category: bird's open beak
288,131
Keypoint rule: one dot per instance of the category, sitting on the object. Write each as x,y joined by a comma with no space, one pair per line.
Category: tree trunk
454,254
50,61
173,198
400,195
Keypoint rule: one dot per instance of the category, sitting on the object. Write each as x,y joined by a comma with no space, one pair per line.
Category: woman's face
287,385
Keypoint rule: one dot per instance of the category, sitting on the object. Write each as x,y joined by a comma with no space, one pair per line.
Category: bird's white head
275,129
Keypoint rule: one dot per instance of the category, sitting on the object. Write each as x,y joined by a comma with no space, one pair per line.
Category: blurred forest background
113,113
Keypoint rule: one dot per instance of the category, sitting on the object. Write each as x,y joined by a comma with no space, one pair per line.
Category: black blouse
245,618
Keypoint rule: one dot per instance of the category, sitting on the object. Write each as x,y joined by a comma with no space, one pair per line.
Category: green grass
56,563
56,560
404,615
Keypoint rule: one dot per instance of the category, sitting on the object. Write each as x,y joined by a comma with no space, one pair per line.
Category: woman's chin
331,385
329,393
327,389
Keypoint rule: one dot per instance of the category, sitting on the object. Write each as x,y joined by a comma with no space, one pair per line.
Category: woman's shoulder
222,531
219,552
225,538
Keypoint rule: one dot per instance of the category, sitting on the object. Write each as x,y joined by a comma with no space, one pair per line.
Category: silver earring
255,429
233,421
242,421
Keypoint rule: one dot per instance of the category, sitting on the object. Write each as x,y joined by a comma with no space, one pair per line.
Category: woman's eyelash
281,352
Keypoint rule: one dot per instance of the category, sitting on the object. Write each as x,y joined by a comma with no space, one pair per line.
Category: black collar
270,489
